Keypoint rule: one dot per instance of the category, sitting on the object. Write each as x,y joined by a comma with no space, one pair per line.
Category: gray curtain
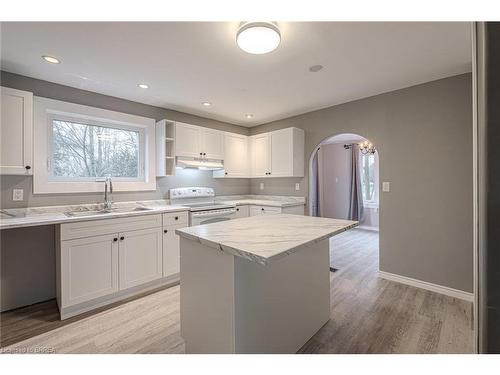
315,185
356,197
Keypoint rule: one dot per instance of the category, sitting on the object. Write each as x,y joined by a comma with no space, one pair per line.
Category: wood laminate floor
369,315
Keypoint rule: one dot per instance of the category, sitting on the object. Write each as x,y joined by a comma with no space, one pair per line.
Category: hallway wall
424,137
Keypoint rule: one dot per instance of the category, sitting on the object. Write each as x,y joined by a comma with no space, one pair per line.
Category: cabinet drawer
264,210
242,211
174,218
106,226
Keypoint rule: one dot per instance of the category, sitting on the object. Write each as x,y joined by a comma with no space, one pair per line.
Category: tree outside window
89,151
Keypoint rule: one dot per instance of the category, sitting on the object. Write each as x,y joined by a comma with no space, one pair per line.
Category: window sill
88,187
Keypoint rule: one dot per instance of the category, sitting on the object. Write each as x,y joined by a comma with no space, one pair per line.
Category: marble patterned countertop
262,200
34,216
265,238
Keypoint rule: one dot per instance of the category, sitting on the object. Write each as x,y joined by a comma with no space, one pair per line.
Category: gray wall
73,95
335,180
27,260
424,138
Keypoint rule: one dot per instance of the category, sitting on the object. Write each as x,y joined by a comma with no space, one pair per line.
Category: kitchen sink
105,211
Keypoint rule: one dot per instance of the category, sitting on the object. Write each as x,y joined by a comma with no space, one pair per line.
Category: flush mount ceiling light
248,115
143,86
258,37
206,104
51,59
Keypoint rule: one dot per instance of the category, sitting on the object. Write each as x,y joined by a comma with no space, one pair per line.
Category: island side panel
206,298
280,306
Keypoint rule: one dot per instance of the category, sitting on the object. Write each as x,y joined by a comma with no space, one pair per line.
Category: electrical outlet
386,186
297,186
261,186
17,194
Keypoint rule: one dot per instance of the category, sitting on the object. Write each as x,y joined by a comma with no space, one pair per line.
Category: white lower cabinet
89,268
99,263
171,250
140,257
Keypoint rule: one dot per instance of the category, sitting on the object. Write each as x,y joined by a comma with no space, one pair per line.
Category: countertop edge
256,258
66,219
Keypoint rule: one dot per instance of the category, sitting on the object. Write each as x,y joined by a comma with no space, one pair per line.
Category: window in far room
369,178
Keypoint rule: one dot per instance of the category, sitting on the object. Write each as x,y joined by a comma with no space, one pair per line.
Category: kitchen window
82,145
85,152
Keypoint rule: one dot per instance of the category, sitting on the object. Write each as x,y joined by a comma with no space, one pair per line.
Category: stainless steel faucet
108,202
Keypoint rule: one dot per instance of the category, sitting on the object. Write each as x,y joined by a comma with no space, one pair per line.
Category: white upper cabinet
261,155
195,141
16,132
287,153
278,154
275,154
212,143
236,155
187,139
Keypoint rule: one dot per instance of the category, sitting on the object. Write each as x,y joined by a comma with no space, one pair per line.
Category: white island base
233,305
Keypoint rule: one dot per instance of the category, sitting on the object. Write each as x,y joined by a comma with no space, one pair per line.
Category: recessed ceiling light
258,37
51,59
206,104
143,86
315,68
248,115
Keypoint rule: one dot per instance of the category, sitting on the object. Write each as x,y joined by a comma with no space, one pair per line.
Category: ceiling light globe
258,37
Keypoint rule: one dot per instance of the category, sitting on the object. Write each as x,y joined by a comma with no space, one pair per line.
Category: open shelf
165,148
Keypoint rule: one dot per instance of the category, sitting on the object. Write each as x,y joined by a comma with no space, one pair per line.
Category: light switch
297,186
386,186
17,194
261,186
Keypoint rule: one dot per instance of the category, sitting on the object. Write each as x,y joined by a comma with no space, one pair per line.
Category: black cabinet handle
177,218
225,173
115,239
204,153
28,167
262,209
122,238
237,209
201,153
165,230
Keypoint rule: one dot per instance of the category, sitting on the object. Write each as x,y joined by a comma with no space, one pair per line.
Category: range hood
204,164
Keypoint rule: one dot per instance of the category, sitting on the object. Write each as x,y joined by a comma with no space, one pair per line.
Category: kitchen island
256,285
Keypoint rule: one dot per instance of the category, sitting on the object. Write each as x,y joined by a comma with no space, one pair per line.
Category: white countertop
34,216
265,238
262,200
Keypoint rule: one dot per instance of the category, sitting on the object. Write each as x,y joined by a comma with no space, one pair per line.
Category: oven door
208,217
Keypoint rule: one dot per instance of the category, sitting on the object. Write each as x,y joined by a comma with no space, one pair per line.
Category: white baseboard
455,293
373,229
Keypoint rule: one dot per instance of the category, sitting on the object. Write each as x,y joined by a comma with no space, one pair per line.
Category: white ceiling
186,63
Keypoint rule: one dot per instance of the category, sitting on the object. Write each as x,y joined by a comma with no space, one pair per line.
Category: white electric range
202,206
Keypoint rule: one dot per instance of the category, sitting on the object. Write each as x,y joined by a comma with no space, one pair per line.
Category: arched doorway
344,184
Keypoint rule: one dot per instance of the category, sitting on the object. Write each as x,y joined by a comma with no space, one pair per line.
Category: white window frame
46,110
374,202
